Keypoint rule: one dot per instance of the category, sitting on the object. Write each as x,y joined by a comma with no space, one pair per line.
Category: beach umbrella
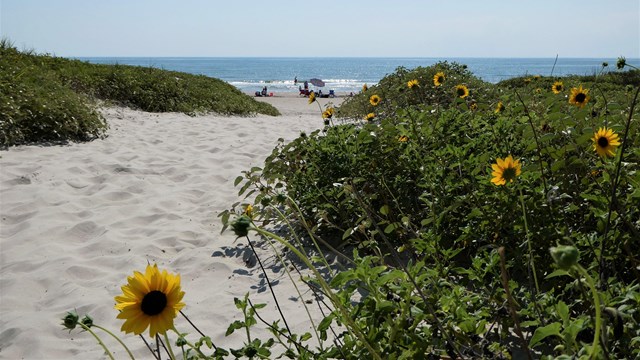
317,82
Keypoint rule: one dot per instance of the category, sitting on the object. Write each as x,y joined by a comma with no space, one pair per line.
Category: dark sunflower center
509,174
603,142
460,91
581,97
153,303
440,79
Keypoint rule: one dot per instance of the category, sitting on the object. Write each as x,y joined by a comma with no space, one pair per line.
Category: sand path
76,219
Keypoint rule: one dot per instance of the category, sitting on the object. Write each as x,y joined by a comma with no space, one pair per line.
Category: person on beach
264,91
295,80
306,85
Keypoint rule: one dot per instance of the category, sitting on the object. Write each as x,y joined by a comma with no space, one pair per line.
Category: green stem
345,315
286,269
117,339
614,186
106,350
169,348
266,277
596,304
191,346
526,230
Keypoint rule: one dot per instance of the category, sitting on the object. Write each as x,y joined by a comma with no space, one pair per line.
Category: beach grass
47,98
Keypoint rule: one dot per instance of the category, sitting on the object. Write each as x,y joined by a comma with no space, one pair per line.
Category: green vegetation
471,221
495,222
47,98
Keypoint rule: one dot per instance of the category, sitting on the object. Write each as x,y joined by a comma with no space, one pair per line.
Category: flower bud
87,321
565,256
265,201
622,62
70,321
241,225
181,341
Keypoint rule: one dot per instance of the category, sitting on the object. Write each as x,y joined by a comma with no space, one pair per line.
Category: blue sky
401,28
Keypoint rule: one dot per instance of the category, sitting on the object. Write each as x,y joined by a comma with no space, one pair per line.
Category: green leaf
543,332
563,312
325,323
384,210
234,326
238,180
347,233
390,228
558,272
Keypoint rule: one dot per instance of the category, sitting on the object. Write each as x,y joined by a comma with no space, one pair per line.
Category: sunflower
462,91
248,210
557,87
499,108
605,142
365,88
438,78
473,106
403,138
312,97
412,83
505,170
151,300
327,114
375,100
370,116
579,96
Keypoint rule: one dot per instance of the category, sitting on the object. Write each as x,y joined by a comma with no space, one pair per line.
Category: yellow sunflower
375,100
473,106
438,78
499,107
327,114
370,116
248,210
312,97
152,300
403,138
364,87
505,170
605,142
557,87
462,91
579,96
412,83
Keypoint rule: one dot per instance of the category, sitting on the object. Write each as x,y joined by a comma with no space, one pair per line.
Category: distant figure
264,91
306,85
319,93
295,81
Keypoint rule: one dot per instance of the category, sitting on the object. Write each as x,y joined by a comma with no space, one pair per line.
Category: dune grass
46,98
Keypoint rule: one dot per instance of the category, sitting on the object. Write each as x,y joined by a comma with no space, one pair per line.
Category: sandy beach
77,219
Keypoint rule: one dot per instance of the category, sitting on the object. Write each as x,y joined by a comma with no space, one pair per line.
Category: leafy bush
453,263
36,107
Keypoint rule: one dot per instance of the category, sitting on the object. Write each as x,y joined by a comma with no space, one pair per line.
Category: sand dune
77,219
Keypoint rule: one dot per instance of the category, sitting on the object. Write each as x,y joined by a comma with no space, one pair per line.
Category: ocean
251,74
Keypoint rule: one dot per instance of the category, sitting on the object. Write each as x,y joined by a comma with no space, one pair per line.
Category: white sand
77,219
